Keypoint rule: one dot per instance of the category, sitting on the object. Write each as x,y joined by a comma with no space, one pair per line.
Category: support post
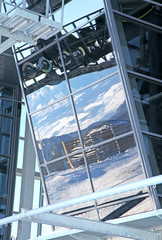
27,185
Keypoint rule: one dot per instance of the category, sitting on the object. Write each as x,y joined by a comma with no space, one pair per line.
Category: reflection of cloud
92,105
51,101
39,106
59,95
44,96
106,104
44,91
35,95
78,96
49,110
64,125
58,119
82,115
42,119
114,98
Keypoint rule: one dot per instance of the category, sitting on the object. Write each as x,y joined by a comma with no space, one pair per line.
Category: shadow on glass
148,100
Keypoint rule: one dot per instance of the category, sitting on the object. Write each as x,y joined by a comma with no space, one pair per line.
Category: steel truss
44,215
23,25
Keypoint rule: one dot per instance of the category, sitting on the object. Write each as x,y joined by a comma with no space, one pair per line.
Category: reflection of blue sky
101,102
55,120
86,79
46,95
49,94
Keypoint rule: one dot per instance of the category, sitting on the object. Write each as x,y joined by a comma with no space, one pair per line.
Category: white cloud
82,115
39,106
51,101
62,126
93,105
78,96
105,105
59,95
109,102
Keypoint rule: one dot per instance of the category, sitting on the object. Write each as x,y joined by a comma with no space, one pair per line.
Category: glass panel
54,128
3,175
17,193
118,159
139,9
2,215
138,45
154,152
2,230
148,99
20,154
6,107
2,208
102,111
6,92
46,96
5,135
126,206
88,54
22,121
44,82
66,179
113,164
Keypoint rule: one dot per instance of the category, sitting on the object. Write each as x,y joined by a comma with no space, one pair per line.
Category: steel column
27,185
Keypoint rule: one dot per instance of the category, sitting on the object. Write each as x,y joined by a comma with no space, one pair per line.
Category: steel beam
17,36
91,196
27,184
94,226
6,44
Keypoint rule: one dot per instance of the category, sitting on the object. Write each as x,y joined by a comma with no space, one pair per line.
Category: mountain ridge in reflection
96,132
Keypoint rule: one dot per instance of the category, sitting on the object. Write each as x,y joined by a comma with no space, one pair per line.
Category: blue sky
76,9
97,103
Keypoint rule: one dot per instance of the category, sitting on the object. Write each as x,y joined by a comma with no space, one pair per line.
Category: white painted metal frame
27,184
145,221
22,25
107,229
41,214
153,181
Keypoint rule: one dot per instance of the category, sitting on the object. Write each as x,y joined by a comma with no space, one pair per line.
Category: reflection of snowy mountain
104,101
95,133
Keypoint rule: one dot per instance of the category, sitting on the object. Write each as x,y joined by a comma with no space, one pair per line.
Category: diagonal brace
94,226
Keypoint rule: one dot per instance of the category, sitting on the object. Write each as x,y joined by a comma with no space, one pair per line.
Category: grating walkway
26,26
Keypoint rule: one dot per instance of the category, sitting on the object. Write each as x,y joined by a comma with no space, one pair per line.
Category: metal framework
99,229
129,98
43,215
22,25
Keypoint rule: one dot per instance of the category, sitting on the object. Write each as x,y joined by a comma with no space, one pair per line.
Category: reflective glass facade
9,119
80,110
93,96
140,35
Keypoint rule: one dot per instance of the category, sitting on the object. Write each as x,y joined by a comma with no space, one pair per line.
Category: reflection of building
93,100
